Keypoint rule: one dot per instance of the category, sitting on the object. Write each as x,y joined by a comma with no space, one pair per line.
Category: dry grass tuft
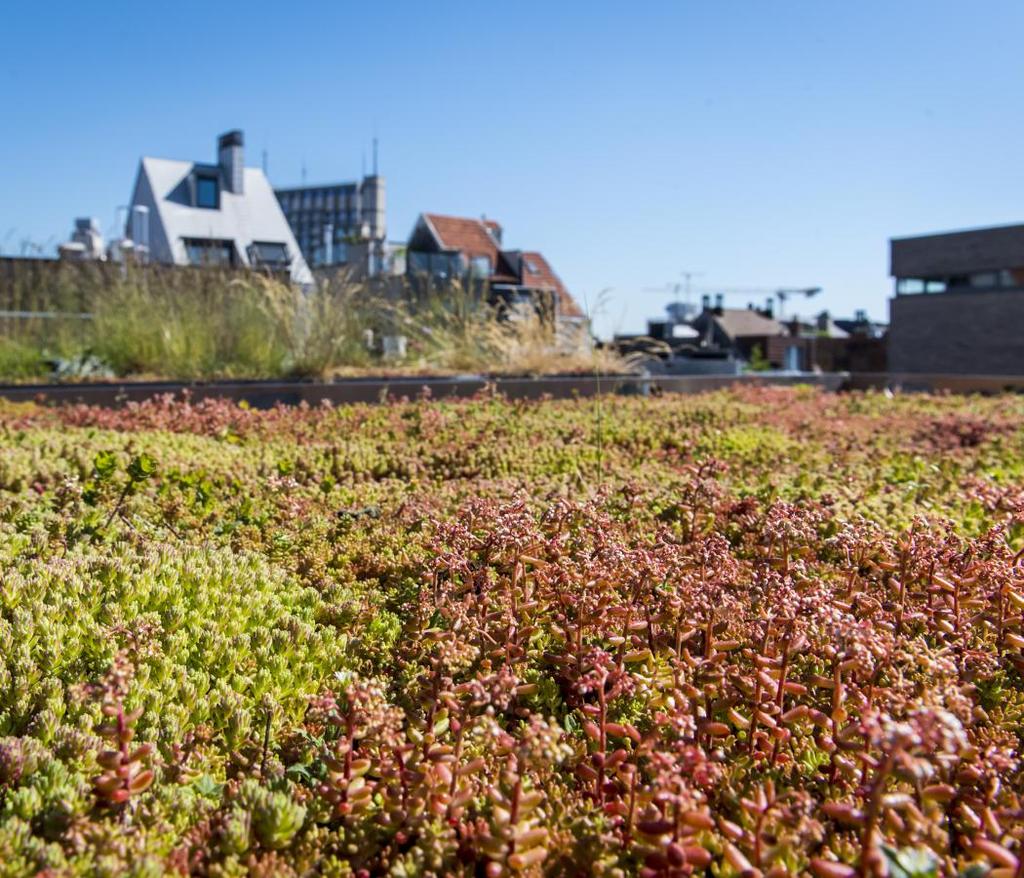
203,324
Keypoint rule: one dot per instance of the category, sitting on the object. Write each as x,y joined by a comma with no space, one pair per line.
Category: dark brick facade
969,333
954,252
854,354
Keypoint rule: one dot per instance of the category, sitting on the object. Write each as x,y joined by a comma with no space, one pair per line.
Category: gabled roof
475,238
468,236
745,322
252,215
538,275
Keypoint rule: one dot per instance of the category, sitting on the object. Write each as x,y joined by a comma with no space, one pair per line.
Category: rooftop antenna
784,294
676,288
264,163
374,156
687,277
303,172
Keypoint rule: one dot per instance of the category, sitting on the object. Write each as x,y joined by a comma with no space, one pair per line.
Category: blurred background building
959,303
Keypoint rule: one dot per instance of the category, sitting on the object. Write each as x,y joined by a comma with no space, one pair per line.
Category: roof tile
468,236
538,274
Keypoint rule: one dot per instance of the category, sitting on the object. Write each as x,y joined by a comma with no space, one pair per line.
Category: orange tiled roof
473,238
538,274
469,236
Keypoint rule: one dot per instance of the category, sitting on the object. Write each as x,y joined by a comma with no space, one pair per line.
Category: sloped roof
252,215
812,326
538,274
473,238
468,236
745,322
834,330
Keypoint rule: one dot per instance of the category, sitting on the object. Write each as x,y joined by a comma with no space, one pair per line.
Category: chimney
140,228
231,158
769,307
705,302
719,301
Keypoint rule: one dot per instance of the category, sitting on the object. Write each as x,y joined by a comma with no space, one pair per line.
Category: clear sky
767,143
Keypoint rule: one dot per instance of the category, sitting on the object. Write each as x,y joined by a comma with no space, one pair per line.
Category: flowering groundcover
757,632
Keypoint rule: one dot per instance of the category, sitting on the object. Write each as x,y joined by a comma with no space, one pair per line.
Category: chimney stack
231,158
705,302
719,301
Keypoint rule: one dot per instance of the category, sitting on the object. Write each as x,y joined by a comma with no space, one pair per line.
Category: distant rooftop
746,322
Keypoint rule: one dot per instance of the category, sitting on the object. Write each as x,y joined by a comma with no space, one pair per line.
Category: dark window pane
270,254
206,192
205,251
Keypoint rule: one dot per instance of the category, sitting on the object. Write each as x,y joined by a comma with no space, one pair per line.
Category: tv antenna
784,294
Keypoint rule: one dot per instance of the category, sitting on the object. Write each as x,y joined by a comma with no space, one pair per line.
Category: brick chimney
231,158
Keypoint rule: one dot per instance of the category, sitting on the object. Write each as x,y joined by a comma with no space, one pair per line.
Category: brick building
445,249
959,303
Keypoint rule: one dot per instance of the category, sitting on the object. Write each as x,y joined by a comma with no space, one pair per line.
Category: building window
1011,277
207,194
209,252
267,254
480,266
982,280
908,285
935,286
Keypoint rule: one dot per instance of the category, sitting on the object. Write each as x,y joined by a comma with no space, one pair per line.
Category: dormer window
268,254
207,191
210,252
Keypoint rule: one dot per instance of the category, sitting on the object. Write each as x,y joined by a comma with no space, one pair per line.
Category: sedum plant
760,632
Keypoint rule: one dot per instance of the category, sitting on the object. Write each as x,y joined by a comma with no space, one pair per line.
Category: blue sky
760,143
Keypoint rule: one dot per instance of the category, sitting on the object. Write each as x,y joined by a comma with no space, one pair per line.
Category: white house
214,214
